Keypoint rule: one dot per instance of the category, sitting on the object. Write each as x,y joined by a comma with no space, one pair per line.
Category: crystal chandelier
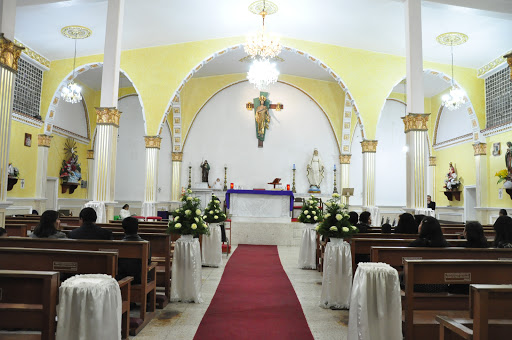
72,92
261,43
262,74
457,97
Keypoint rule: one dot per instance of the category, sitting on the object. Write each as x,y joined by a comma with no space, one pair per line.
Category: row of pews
39,264
444,315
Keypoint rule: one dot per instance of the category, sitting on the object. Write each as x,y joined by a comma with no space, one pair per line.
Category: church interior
388,105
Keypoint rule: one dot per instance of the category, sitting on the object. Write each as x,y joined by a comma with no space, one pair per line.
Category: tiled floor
181,320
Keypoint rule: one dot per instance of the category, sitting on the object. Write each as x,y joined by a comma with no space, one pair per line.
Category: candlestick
189,177
334,166
225,178
293,166
293,181
335,191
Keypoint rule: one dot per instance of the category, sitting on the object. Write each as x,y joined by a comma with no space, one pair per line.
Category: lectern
347,192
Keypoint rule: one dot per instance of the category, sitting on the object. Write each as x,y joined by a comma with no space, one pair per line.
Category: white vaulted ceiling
375,25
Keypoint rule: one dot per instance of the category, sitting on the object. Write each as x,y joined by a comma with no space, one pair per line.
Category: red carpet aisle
254,300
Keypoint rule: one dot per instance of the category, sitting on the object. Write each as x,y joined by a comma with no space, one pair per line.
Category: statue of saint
205,167
451,182
315,171
262,118
508,158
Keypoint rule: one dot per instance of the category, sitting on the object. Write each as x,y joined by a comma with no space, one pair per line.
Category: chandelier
262,74
262,43
72,92
457,97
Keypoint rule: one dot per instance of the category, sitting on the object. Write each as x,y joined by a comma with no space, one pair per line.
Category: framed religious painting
496,149
28,140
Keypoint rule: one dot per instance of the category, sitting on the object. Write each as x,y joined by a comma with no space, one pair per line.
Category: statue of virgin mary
315,172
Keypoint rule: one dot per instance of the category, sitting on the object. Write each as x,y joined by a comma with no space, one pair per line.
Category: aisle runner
254,300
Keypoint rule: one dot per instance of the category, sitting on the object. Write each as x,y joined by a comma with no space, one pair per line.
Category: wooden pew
13,229
399,236
445,272
135,250
28,300
70,262
487,302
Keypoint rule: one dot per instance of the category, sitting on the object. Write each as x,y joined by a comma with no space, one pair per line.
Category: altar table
260,205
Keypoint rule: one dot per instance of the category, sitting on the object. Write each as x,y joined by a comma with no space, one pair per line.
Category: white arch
54,104
174,104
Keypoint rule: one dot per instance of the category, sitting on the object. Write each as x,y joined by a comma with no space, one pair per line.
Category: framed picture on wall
28,140
496,149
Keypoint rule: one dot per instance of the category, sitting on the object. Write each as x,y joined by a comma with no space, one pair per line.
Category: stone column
481,181
369,148
416,160
10,53
344,171
432,162
43,149
108,115
150,189
90,174
177,157
414,56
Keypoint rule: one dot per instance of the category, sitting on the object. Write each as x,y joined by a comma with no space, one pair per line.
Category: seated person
474,234
131,267
431,204
503,228
503,212
49,226
365,220
418,218
406,224
353,218
125,212
88,230
386,228
3,233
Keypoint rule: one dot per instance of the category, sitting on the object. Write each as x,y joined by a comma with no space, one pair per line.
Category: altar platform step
281,234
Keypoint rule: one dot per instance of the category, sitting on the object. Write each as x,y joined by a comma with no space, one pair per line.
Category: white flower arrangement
310,211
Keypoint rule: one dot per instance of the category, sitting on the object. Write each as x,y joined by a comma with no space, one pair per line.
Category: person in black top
431,234
131,267
431,204
3,233
88,230
474,234
365,221
386,228
503,228
406,224
353,218
503,212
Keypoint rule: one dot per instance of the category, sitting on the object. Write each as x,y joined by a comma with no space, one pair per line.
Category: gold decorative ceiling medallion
76,32
452,38
248,59
260,5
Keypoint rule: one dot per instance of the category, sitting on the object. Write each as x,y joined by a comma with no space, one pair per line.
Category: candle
334,166
293,166
232,185
288,187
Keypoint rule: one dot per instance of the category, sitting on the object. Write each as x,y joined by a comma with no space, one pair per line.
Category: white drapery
212,247
186,270
307,253
337,277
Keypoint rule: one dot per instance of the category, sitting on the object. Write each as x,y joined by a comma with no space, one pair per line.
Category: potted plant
310,215
188,219
335,224
310,211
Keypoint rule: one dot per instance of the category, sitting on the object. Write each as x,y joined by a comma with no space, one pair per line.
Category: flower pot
507,185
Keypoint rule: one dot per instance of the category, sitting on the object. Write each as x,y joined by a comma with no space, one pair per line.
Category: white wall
131,152
224,133
453,124
356,167
390,177
165,166
71,117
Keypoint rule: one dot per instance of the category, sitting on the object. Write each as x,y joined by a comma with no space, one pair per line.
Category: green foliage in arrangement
188,220
213,212
310,211
336,220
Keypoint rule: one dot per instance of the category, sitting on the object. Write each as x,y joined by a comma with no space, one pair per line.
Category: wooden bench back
15,229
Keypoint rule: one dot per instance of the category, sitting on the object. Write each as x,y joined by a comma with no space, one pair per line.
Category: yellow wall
24,158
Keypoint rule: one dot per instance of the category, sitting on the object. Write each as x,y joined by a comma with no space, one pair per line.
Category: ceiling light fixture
262,43
457,97
72,92
262,74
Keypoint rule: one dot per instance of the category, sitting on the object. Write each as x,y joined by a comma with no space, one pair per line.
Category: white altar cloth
263,206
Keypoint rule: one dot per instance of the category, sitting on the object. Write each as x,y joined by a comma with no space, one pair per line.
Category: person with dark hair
474,235
406,224
418,218
353,218
365,221
431,204
386,228
3,233
431,234
88,230
503,212
503,228
131,267
49,226
125,212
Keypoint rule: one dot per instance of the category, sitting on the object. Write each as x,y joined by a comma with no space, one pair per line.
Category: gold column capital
415,122
90,154
44,140
177,156
345,159
9,53
509,61
152,141
369,145
480,149
432,161
108,116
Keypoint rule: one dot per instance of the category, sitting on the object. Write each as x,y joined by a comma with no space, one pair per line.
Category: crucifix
261,105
